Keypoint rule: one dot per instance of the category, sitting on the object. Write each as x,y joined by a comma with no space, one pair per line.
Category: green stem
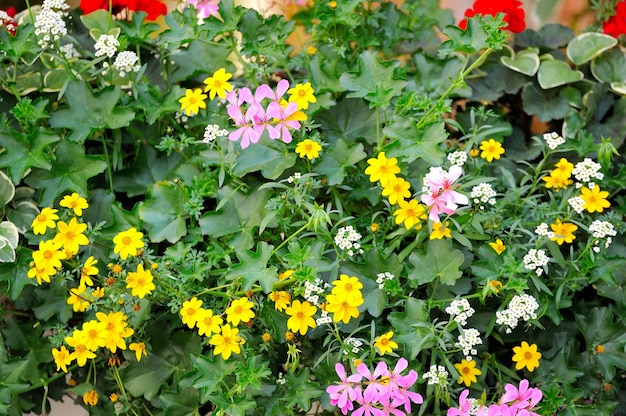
30,12
108,160
298,231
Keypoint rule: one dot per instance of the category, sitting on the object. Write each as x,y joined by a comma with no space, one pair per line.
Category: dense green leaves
25,151
253,267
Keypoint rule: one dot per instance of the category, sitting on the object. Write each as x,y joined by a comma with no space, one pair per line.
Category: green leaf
586,46
15,273
554,73
470,40
375,81
302,390
271,158
440,261
350,119
70,172
546,105
336,160
525,62
52,301
252,268
200,58
7,189
164,213
98,19
208,373
146,377
412,144
87,112
609,66
25,151
183,402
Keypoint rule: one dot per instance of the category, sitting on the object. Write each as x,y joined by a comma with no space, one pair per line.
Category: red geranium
154,8
512,9
616,25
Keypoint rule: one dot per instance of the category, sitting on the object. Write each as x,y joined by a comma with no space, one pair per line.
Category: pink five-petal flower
374,386
524,397
394,375
281,89
344,393
284,122
403,393
367,408
206,8
441,196
464,406
437,204
502,410
246,130
390,407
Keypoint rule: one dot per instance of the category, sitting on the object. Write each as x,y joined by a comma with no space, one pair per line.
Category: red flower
616,25
6,20
154,8
512,9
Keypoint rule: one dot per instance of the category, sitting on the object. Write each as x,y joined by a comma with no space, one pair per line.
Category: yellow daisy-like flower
564,169
117,329
114,397
498,246
90,398
343,309
348,287
208,323
281,299
141,282
81,353
227,342
139,348
595,199
563,232
218,84
48,256
556,181
61,358
127,243
301,316
311,50
491,150
45,219
410,213
397,189
192,102
439,232
495,285
286,274
240,310
190,312
41,273
467,372
385,344
95,334
79,304
382,169
526,356
302,94
74,202
71,235
89,269
309,149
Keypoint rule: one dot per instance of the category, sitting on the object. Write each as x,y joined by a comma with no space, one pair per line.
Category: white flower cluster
354,344
457,158
7,22
436,375
381,277
601,230
577,204
535,260
467,340
542,230
348,239
69,51
323,319
483,194
521,307
125,62
553,140
294,177
212,132
106,45
460,310
586,170
50,23
281,379
312,291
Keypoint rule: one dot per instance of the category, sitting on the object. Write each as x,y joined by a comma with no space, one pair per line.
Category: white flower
577,204
347,239
212,131
69,51
457,158
49,26
436,375
587,170
126,61
535,259
106,45
553,140
460,310
467,340
483,193
521,307
543,230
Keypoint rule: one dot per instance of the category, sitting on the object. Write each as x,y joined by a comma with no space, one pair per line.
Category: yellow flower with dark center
301,316
81,353
48,256
382,169
76,299
467,372
61,358
526,356
218,84
127,243
410,213
281,299
74,202
139,348
595,199
491,150
208,323
89,269
190,312
498,246
397,189
192,102
309,149
91,398
227,342
343,309
71,235
439,232
141,282
385,344
45,219
240,310
302,94
563,232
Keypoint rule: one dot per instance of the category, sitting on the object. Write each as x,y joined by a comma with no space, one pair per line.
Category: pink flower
246,130
441,197
390,407
524,397
501,410
281,89
206,8
403,393
373,381
284,120
367,408
464,406
343,394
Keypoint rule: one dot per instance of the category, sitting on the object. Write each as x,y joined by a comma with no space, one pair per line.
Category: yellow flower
396,189
191,311
81,353
382,169
79,304
595,199
498,246
439,232
474,152
311,50
563,232
91,398
114,397
281,299
71,235
385,344
343,308
526,356
61,358
410,213
116,327
48,256
556,181
41,273
141,282
300,316
348,288
491,150
467,372
218,84
286,274
192,102
266,337
139,348
563,169
98,293
74,202
240,310
302,94
45,219
95,334
289,335
374,227
309,149
89,269
495,285
127,243
332,4
226,343
207,322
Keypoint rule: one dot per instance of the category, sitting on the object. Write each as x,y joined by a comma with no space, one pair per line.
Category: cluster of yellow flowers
560,176
345,298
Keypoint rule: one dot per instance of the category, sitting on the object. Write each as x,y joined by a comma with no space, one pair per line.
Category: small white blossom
468,340
352,344
347,239
535,260
381,277
49,26
521,307
69,51
212,131
457,158
281,379
323,319
312,291
553,140
106,46
483,193
126,61
577,204
460,310
436,375
587,170
543,230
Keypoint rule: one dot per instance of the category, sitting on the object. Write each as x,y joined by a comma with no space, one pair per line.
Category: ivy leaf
350,119
271,158
25,151
69,172
375,81
146,377
52,301
413,144
337,159
15,274
164,213
252,268
546,105
440,261
180,403
208,373
86,112
302,390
